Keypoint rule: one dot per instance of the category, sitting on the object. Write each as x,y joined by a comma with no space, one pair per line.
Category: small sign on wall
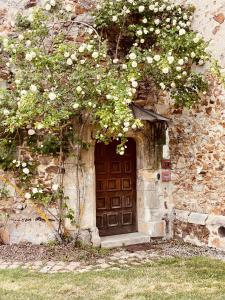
166,175
166,164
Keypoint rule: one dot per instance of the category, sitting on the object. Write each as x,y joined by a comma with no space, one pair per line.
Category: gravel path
68,258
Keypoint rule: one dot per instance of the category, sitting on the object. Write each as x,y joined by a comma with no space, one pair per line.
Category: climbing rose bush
163,45
65,74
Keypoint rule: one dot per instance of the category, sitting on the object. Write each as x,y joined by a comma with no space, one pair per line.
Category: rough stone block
182,215
215,220
197,218
35,232
95,238
157,229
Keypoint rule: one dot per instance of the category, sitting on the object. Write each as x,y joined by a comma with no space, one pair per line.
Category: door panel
115,189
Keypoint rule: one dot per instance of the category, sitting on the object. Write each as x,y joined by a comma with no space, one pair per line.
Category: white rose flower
52,96
68,8
132,56
178,69
134,126
28,57
14,161
115,60
39,126
48,7
75,105
69,62
73,57
27,196
157,31
141,8
66,54
124,66
151,7
139,32
34,190
23,93
165,70
182,31
134,84
173,85
28,43
5,42
193,55
26,171
114,18
157,57
95,54
222,72
149,59
170,59
33,88
20,37
89,47
134,64
24,164
52,2
31,132
181,62
157,21
79,89
144,20
17,81
30,18
162,85
196,40
81,48
6,112
55,187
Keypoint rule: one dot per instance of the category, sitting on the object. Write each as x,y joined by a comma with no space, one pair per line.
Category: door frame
149,189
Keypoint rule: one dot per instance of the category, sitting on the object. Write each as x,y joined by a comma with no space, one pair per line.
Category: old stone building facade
190,206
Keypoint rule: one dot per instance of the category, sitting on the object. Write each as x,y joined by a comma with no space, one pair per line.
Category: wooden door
115,189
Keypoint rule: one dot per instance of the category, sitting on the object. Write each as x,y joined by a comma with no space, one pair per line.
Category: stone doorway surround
152,193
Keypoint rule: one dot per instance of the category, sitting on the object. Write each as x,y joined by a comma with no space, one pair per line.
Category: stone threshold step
120,240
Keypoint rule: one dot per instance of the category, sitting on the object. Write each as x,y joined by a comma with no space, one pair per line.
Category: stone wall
197,151
20,219
197,146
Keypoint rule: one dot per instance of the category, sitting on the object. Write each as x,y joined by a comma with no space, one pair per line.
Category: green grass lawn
196,278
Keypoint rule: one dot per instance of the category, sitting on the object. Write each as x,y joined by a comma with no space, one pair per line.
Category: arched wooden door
115,189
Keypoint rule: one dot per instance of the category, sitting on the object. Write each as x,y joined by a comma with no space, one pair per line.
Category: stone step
120,240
